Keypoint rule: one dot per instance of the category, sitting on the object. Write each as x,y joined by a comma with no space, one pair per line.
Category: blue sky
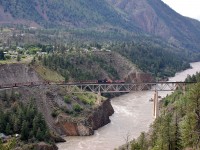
189,8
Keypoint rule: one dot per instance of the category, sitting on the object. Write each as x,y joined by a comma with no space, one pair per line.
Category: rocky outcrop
139,77
100,117
87,125
17,73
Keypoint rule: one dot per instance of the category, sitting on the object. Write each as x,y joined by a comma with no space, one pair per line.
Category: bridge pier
99,97
155,105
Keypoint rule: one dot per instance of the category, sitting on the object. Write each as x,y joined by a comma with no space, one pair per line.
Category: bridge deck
107,87
125,87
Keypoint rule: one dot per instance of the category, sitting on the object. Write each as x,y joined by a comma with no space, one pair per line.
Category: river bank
133,114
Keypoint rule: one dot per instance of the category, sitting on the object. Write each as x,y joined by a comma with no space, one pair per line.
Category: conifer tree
24,131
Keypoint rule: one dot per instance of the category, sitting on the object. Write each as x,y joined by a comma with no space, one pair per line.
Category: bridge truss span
125,87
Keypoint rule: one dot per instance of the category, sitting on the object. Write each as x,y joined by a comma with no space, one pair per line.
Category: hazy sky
190,8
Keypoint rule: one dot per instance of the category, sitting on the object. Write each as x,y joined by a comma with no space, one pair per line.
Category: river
133,114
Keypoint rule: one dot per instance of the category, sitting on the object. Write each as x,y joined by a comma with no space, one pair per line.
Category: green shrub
77,108
67,99
86,98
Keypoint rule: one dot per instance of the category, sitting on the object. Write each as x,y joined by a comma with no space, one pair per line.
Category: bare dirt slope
17,73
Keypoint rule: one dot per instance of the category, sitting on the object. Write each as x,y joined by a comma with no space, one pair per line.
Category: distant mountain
127,16
67,13
155,17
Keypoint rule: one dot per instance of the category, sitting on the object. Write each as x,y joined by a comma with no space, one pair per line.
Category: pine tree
39,135
8,129
176,134
35,124
187,130
24,131
194,106
16,126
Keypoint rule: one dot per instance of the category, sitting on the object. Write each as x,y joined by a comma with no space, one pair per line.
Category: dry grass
25,60
48,74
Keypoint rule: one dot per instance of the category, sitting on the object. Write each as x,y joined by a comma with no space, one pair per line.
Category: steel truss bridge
108,87
112,88
125,87
129,87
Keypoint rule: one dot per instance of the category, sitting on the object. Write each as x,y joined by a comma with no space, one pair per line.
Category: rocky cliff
86,126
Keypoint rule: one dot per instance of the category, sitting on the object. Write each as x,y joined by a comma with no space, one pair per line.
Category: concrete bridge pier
155,105
99,97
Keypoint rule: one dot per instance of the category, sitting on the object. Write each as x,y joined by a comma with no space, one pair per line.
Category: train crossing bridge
128,87
124,87
99,88
85,87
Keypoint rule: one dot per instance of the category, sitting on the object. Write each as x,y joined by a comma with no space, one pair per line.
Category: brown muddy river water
133,114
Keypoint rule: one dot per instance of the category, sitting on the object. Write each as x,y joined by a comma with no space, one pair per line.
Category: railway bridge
124,87
99,88
128,87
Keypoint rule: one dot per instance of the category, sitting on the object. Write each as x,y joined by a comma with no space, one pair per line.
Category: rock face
85,127
17,73
139,77
100,117
143,14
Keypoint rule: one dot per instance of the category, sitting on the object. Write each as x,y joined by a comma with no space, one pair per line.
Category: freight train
103,81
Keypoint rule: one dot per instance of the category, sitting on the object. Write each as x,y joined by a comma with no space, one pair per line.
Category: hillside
121,17
103,65
46,111
155,17
49,13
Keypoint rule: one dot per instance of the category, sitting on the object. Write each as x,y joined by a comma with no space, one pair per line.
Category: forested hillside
152,58
178,125
111,62
26,121
125,18
79,13
102,64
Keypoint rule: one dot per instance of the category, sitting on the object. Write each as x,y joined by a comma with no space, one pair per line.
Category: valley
46,44
133,115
